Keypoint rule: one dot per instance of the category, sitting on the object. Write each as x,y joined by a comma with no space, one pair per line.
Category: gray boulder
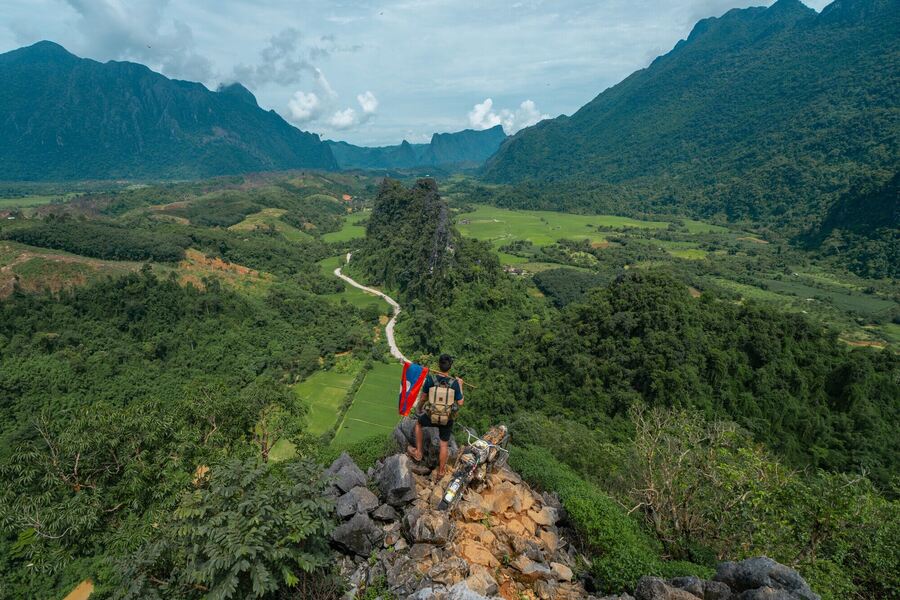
385,513
345,474
396,481
360,535
357,500
765,593
449,572
762,572
461,591
654,588
426,527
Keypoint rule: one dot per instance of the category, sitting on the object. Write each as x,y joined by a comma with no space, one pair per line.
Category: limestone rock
345,474
360,535
763,572
530,570
449,572
477,554
561,571
386,513
357,500
481,581
432,527
396,481
654,588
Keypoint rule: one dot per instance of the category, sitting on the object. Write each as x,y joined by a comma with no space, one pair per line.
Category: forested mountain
66,117
764,114
467,148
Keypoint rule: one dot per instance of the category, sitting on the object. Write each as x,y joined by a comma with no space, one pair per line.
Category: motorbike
480,456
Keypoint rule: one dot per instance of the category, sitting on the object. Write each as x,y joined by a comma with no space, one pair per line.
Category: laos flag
410,385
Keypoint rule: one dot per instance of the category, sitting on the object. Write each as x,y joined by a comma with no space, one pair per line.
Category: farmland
351,230
374,408
270,218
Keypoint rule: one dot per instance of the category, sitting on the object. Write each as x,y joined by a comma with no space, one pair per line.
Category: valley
681,299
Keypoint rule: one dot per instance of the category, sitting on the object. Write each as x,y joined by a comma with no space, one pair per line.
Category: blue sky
375,73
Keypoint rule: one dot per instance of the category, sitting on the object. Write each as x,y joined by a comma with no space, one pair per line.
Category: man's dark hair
445,361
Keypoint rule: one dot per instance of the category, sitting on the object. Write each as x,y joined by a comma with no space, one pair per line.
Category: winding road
389,328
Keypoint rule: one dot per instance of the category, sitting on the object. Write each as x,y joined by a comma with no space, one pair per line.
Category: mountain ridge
67,117
762,114
468,148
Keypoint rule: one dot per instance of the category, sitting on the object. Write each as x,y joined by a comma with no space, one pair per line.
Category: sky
378,72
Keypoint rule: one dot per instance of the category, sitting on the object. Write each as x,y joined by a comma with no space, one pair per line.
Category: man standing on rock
443,396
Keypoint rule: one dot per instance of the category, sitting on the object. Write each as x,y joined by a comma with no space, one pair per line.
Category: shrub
624,552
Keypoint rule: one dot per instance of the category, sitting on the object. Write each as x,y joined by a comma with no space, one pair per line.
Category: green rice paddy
351,229
501,226
374,409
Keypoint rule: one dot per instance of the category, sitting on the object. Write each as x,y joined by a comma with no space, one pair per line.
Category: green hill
765,114
66,117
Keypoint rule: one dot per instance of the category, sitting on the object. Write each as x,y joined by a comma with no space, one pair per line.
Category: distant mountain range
468,148
65,117
773,115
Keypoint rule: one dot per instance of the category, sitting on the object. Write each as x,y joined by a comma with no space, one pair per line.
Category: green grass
352,295
322,392
374,409
859,303
501,226
36,200
271,216
350,231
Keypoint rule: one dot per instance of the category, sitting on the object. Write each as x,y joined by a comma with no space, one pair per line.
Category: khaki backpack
441,401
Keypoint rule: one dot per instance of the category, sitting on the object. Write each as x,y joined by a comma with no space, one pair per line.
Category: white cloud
344,119
368,102
140,32
483,116
304,107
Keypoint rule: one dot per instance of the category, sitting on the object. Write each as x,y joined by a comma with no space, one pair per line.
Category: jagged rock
426,593
360,535
622,597
386,513
765,593
561,571
432,527
357,500
481,581
654,588
449,572
396,481
461,591
420,551
716,590
345,474
762,572
531,571
550,540
405,435
546,516
477,554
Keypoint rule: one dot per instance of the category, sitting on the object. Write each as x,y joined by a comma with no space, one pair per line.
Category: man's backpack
441,400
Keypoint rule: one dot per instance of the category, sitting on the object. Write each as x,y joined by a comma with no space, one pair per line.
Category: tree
249,529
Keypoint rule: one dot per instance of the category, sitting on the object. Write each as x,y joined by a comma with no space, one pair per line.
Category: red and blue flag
411,382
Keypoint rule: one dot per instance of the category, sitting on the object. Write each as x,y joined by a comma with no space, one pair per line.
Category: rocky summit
505,540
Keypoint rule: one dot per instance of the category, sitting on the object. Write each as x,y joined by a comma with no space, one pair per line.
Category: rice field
350,231
374,409
501,226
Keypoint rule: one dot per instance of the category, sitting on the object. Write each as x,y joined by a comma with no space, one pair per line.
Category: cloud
304,107
288,57
349,118
368,102
483,116
110,30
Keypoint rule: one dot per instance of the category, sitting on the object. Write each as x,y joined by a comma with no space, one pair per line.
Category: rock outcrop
504,541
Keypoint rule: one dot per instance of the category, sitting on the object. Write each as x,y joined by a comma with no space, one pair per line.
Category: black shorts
444,431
